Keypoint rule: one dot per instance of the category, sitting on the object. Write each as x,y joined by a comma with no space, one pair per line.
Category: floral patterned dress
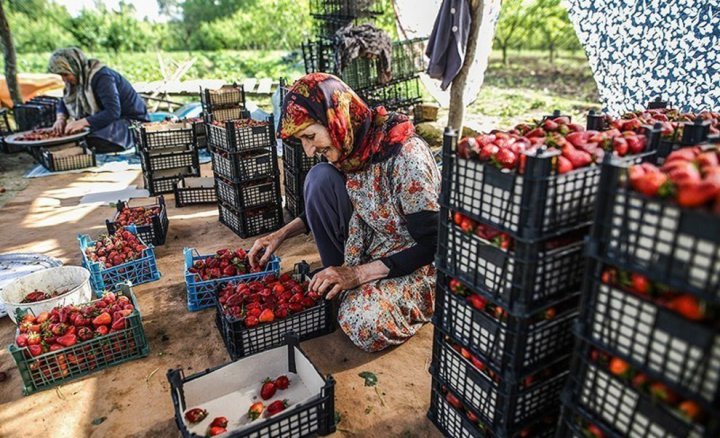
389,311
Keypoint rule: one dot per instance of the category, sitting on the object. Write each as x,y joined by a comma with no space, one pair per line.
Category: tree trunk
457,90
552,53
504,50
10,59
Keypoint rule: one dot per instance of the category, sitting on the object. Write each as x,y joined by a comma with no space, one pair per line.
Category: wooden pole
10,58
457,90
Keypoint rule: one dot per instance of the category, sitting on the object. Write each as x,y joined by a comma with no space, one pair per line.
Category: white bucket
74,278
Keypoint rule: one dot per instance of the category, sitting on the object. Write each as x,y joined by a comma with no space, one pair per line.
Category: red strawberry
229,271
477,301
276,406
268,389
119,324
506,158
256,409
456,287
33,338
640,283
564,165
102,319
219,422
67,340
195,415
22,340
267,315
467,225
282,382
102,330
84,333
214,430
35,349
454,401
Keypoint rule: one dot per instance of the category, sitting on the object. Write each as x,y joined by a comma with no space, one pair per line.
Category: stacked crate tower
510,267
244,162
400,92
168,153
647,358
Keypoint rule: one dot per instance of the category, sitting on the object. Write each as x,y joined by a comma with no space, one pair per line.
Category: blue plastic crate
201,294
142,270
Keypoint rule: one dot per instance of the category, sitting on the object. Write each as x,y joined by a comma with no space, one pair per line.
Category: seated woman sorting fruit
373,211
97,97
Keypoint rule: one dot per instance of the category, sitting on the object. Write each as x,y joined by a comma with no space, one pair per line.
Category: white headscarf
79,99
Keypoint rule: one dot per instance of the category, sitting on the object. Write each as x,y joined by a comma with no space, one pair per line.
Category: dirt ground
133,399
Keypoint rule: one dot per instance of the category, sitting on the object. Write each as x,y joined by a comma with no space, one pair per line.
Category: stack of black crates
510,269
647,359
401,92
168,154
37,113
244,162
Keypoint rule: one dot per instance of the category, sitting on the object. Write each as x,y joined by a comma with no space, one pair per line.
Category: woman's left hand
334,280
76,126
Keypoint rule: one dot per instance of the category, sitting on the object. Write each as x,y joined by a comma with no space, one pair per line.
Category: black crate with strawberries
151,221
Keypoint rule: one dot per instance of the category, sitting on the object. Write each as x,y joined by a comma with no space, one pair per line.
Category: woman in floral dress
373,211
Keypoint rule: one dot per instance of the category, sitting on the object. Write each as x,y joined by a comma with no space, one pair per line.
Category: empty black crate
194,190
523,279
243,166
241,135
248,194
396,94
319,56
54,160
627,411
229,96
241,341
253,221
295,159
345,8
676,246
294,182
684,353
453,422
163,181
295,205
507,344
500,403
169,158
155,232
154,136
33,116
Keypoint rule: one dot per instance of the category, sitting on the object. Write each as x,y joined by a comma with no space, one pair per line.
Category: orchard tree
513,24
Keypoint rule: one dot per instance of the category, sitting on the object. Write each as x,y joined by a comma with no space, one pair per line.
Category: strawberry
576,157
476,301
619,367
102,330
477,363
33,339
456,287
84,333
229,271
22,340
42,317
640,381
690,410
214,430
595,431
67,340
695,194
268,389
464,352
102,319
563,165
35,349
472,417
119,324
488,151
688,306
195,415
454,401
506,159
467,225
282,382
219,422
550,314
276,406
267,315
640,283
661,392
256,409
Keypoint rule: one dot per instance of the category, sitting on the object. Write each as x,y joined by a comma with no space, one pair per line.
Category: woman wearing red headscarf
373,210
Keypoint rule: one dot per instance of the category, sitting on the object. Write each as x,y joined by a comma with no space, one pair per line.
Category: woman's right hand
59,126
264,248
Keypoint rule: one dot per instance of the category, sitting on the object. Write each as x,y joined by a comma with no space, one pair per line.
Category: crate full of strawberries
151,221
72,341
255,316
118,258
274,394
203,273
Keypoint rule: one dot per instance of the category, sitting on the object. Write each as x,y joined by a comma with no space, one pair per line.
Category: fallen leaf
370,378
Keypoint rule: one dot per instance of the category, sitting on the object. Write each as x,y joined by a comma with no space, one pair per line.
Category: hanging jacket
448,41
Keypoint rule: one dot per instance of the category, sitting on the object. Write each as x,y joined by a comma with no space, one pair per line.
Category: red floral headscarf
361,135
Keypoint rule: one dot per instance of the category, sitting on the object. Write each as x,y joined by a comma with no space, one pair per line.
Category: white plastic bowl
74,278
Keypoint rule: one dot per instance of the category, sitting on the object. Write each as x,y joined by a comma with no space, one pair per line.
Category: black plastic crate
319,56
454,423
345,8
248,194
627,411
407,61
227,96
252,221
327,26
507,344
395,95
522,279
295,205
194,190
576,422
30,116
154,232
163,181
676,246
233,138
295,159
169,158
244,166
241,341
198,126
153,136
315,416
533,205
294,182
52,159
500,403
684,353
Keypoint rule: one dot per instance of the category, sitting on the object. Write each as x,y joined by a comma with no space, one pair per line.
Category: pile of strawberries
136,215
690,176
38,295
224,263
117,249
65,326
257,409
687,305
658,391
267,300
486,232
242,123
672,121
578,148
